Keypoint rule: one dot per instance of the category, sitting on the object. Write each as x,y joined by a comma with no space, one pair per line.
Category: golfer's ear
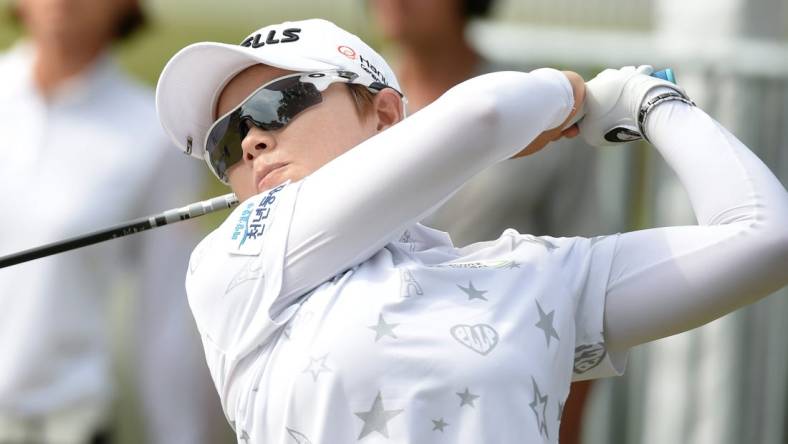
388,108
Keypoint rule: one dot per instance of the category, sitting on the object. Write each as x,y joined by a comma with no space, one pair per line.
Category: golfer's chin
243,185
244,189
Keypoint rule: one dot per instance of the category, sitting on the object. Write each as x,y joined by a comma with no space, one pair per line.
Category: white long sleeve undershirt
667,280
662,281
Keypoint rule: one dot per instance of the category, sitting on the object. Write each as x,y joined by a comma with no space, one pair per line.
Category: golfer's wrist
578,86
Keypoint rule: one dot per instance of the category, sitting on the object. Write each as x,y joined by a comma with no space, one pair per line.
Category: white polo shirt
421,343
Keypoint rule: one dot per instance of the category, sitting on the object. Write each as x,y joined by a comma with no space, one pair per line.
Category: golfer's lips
264,173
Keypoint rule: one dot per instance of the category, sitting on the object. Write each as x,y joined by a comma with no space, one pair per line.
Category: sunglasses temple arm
123,229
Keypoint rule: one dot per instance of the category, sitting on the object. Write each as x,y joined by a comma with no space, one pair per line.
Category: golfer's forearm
353,206
668,280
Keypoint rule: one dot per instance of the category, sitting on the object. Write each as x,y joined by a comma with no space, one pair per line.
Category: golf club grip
664,74
134,226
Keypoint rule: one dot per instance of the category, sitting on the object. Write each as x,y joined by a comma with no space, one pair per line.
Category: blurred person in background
554,193
82,149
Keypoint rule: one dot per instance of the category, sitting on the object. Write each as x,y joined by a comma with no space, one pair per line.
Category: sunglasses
270,107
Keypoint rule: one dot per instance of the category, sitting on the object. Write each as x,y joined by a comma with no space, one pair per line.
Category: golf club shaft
134,226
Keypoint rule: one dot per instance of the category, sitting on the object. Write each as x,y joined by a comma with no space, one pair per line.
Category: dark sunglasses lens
224,144
270,108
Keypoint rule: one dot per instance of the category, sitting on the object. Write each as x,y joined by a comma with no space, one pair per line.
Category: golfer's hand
551,135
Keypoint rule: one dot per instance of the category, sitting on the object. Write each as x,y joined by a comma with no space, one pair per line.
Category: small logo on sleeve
588,356
253,221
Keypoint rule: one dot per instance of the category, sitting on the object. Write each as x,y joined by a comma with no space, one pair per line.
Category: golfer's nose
256,142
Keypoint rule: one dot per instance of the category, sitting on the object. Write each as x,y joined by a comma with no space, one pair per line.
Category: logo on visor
347,52
256,40
372,70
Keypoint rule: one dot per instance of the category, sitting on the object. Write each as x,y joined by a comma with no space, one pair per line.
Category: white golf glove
614,106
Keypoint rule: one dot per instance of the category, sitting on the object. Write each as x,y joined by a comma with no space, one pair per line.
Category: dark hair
477,8
129,23
362,98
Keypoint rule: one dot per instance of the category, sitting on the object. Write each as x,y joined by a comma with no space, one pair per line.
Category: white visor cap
191,81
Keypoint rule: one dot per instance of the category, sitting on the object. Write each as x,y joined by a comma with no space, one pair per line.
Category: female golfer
330,315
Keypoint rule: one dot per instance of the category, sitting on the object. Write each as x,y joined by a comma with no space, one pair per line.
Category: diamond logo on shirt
480,338
588,356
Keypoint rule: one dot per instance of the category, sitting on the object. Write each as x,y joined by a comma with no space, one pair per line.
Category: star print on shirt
472,292
467,398
439,424
377,418
546,324
383,329
539,400
244,436
317,366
